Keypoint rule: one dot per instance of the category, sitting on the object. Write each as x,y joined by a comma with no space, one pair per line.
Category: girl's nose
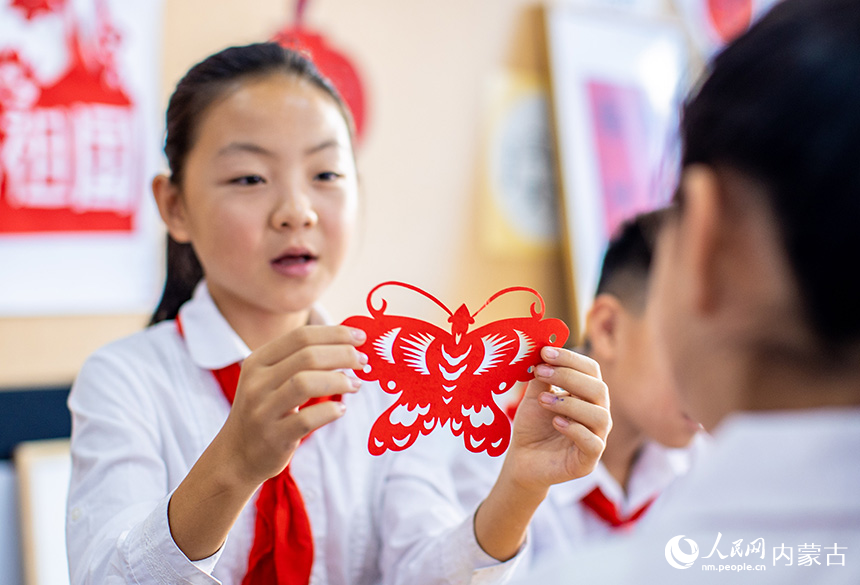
294,211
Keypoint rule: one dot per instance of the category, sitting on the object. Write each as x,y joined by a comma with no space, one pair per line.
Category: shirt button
75,514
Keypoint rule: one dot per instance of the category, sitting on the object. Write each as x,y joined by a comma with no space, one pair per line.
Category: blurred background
500,143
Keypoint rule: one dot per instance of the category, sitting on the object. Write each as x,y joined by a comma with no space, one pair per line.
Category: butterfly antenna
517,289
406,286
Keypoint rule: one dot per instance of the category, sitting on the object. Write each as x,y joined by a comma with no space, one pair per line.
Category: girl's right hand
266,423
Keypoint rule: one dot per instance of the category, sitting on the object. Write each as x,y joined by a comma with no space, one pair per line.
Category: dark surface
32,414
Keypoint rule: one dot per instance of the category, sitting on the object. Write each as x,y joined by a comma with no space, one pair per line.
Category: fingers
305,385
574,373
570,409
576,393
590,444
308,336
311,418
317,358
319,349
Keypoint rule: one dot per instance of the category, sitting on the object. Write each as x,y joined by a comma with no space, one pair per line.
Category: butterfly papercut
450,376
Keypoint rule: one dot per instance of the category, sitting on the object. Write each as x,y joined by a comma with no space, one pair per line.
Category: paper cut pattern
450,376
68,154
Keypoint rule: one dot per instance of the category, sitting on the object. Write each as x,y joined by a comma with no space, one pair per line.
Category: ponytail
183,274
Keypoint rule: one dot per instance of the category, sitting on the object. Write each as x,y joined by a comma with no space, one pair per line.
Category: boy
652,440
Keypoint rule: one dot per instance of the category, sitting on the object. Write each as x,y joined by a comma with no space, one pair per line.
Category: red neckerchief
283,548
607,511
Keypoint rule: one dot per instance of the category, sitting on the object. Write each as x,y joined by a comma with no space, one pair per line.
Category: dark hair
202,85
781,104
627,261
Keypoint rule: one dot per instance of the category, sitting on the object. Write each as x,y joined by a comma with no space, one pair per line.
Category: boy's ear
703,200
601,326
168,198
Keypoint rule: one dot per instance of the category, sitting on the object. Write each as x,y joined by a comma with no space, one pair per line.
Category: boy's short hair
627,262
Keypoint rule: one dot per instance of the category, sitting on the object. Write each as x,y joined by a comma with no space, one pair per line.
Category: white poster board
616,80
79,144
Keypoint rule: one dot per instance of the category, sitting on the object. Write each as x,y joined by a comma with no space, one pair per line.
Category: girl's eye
327,176
248,180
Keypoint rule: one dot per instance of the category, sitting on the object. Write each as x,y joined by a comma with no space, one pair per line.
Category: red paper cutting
450,376
68,157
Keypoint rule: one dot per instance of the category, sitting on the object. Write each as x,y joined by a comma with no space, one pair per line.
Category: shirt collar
211,341
654,470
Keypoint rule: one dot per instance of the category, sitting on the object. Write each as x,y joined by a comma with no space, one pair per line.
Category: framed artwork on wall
616,81
79,144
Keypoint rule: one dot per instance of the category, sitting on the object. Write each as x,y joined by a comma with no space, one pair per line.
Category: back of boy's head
627,261
782,105
201,86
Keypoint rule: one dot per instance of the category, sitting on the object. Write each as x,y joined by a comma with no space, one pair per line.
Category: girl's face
269,195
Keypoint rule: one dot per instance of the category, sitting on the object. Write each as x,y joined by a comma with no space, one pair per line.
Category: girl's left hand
561,425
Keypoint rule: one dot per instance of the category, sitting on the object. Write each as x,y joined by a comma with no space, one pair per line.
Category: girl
260,206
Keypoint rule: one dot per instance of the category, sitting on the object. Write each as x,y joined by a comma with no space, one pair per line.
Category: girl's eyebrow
244,147
257,149
331,143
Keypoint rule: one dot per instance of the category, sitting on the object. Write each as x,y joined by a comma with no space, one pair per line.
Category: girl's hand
265,424
559,434
561,425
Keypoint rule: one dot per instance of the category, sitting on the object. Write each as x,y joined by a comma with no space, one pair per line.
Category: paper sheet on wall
79,135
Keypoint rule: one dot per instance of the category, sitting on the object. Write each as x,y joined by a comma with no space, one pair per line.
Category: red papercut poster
68,153
78,146
623,130
450,376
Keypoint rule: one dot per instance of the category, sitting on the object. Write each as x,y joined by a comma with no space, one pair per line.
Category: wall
425,64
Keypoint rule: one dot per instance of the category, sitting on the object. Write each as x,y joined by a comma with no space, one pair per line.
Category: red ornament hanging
333,64
450,377
730,17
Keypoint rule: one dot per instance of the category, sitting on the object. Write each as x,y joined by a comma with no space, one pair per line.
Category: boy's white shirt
144,409
791,479
562,522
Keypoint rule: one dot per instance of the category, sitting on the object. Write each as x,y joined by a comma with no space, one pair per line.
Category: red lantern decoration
333,64
730,17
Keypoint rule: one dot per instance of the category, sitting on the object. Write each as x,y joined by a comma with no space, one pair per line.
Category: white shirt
145,407
562,522
787,483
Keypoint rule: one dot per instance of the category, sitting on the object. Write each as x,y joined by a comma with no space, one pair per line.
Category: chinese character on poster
79,133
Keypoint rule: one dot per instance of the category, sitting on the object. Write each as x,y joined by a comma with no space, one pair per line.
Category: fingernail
550,353
544,371
342,407
356,384
362,358
359,335
547,398
561,422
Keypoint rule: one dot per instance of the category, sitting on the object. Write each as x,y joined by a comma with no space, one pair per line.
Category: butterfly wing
509,349
401,358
